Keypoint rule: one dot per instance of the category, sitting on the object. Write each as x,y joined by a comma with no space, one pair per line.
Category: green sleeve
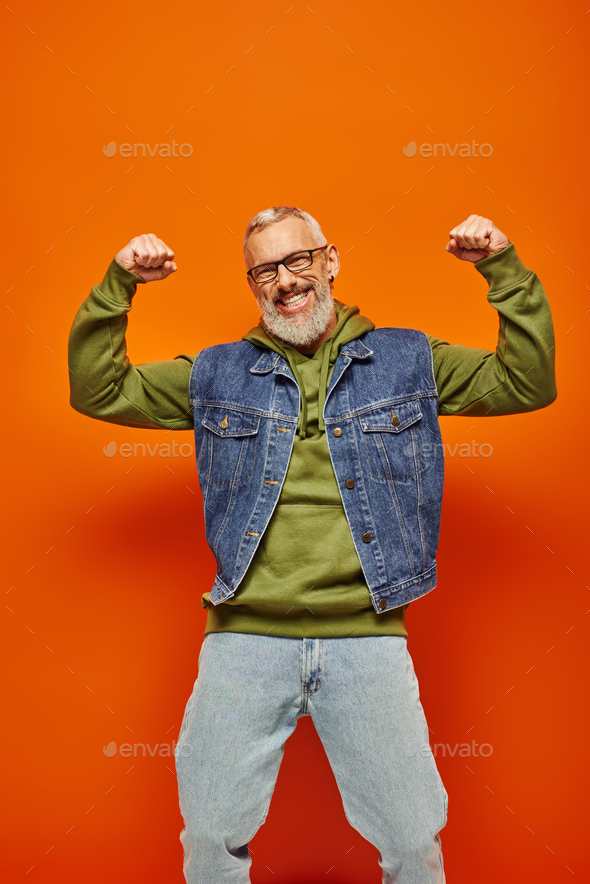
103,382
520,375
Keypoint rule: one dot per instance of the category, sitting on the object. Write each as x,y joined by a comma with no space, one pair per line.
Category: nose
285,278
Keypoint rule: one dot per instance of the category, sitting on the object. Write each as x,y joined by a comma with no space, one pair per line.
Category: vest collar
269,359
356,349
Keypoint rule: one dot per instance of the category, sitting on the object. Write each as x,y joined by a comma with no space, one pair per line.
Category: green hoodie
306,578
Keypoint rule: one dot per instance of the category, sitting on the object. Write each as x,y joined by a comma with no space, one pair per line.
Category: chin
295,331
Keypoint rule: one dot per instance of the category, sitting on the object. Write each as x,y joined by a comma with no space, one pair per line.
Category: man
321,468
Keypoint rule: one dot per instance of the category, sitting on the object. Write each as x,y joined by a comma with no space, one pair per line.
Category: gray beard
290,329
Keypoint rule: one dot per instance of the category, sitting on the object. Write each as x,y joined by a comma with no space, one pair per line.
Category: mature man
321,468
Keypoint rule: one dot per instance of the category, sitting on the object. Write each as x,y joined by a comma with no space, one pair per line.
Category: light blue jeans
363,697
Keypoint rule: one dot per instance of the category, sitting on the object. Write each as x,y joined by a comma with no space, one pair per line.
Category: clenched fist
148,257
476,238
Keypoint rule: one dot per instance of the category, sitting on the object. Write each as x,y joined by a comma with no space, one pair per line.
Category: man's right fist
148,257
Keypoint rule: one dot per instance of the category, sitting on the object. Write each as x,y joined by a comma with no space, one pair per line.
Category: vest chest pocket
229,445
393,441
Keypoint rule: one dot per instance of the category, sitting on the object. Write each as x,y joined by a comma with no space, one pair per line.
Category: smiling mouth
295,300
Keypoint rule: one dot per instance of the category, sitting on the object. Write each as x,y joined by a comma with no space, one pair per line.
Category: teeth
295,299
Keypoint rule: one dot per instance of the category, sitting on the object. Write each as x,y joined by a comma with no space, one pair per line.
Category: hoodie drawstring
325,368
323,384
303,411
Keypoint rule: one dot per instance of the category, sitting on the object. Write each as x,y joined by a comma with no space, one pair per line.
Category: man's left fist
475,239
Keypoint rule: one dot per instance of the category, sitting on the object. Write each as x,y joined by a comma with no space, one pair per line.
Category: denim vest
381,419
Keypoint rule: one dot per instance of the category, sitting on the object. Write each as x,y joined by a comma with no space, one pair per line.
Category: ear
332,261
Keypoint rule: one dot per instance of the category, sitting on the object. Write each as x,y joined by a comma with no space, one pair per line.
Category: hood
349,325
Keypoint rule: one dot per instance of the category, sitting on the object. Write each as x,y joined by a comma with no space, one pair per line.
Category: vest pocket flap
391,418
224,421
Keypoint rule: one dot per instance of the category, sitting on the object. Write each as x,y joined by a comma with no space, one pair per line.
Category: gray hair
279,213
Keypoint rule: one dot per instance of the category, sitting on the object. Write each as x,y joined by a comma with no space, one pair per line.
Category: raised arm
104,384
519,375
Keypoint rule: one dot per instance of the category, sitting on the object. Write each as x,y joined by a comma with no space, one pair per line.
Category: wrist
497,252
506,271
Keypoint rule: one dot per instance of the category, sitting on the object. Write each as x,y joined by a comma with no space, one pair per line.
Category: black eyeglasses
295,262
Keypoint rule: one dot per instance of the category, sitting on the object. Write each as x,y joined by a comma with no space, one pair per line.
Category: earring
331,279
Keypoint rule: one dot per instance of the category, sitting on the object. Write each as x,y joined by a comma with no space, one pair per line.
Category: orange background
309,106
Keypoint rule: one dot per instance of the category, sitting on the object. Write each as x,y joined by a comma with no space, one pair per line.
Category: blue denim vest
381,417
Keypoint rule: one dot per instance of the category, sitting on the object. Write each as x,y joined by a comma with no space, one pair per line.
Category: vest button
382,603
395,421
367,538
350,483
337,431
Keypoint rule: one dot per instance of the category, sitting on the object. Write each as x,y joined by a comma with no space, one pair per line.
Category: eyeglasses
294,262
